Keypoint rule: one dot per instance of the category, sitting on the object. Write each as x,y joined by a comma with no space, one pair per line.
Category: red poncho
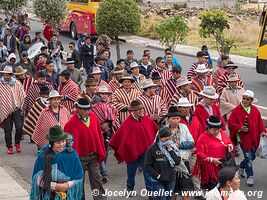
133,138
87,139
209,146
48,32
255,126
203,115
194,127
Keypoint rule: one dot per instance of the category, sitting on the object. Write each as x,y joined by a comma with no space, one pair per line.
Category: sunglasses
70,46
247,99
162,62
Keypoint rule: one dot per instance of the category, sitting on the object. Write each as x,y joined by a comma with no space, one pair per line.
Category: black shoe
130,192
140,169
105,179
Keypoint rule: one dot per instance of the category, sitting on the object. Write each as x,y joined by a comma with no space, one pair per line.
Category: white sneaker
250,181
242,172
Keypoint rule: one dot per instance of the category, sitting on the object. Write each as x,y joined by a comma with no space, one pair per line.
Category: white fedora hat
209,92
103,89
249,93
148,83
54,94
96,70
201,68
184,102
182,81
7,70
134,64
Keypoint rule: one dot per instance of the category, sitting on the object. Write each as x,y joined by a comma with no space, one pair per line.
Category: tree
172,31
12,6
213,23
51,10
118,18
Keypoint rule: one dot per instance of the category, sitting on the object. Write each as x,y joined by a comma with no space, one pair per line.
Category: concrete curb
189,50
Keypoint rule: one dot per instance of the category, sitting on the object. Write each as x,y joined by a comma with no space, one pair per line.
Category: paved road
21,164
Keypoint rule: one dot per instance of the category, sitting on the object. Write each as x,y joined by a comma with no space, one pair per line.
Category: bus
261,61
81,17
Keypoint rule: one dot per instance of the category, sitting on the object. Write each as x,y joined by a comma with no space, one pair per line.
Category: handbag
228,160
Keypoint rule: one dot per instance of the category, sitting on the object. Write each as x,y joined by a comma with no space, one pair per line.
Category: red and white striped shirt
11,97
32,94
222,82
46,120
114,85
27,82
70,91
153,105
165,74
191,72
106,112
121,99
191,96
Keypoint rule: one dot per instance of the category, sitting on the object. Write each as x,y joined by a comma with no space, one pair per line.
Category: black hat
56,134
155,76
83,103
201,54
164,132
70,61
214,122
226,174
65,73
230,64
97,59
173,112
44,90
135,105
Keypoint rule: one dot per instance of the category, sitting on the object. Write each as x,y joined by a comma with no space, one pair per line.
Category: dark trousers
131,171
8,127
90,163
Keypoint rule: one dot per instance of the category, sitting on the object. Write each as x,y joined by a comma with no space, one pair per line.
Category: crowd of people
171,127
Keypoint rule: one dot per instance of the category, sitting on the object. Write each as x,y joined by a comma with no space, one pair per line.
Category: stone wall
197,3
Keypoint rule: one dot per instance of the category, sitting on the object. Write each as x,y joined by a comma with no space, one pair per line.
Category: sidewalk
189,51
10,188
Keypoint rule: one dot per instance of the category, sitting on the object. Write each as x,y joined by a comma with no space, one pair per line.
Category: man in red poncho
132,140
89,143
208,106
246,127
